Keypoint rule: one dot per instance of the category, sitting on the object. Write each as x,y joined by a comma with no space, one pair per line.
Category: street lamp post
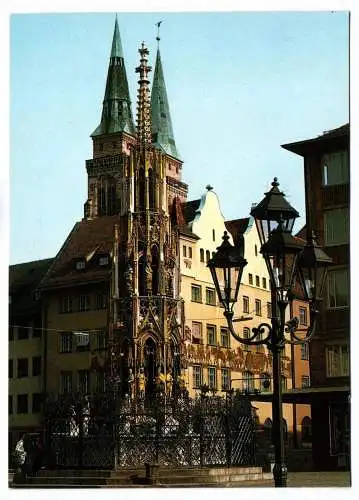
294,270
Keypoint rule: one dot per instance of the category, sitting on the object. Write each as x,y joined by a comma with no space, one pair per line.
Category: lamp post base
280,475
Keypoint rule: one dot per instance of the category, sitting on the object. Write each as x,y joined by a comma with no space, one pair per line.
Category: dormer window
103,261
80,264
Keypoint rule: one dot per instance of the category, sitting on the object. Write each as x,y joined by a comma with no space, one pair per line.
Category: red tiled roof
302,233
88,236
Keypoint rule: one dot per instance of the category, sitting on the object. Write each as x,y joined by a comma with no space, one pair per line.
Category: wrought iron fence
106,432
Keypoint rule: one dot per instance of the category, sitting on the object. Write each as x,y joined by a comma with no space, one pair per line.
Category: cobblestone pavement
310,479
298,479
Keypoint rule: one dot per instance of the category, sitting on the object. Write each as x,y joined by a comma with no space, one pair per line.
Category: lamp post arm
291,327
258,331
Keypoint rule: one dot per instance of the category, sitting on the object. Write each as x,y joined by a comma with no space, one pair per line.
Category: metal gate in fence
104,432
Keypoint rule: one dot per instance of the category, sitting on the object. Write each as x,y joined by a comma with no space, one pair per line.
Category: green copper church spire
161,124
116,111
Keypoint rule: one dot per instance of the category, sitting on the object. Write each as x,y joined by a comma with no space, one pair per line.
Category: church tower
112,141
135,173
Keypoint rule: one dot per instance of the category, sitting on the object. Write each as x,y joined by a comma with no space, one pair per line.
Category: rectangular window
36,366
250,278
266,382
196,332
211,335
196,293
284,383
335,168
245,304
190,252
201,255
248,381
10,405
213,235
101,301
23,332
337,361
338,288
66,304
11,368
80,264
100,382
264,282
210,296
83,381
82,341
303,319
100,340
184,251
65,382
84,303
269,310
36,402
305,380
304,352
224,337
257,281
336,227
103,261
22,367
212,377
66,342
258,307
22,403
197,376
225,379
246,335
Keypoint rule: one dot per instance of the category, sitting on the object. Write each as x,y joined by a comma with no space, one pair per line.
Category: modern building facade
327,188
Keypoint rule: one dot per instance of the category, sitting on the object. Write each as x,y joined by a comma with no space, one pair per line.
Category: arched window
155,270
142,274
106,196
255,250
151,189
306,430
208,255
141,189
201,255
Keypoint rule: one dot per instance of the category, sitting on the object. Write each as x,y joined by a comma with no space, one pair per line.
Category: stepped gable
88,240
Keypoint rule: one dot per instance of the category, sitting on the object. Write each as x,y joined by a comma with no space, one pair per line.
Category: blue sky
240,84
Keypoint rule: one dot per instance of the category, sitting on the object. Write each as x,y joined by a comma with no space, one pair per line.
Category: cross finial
209,187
